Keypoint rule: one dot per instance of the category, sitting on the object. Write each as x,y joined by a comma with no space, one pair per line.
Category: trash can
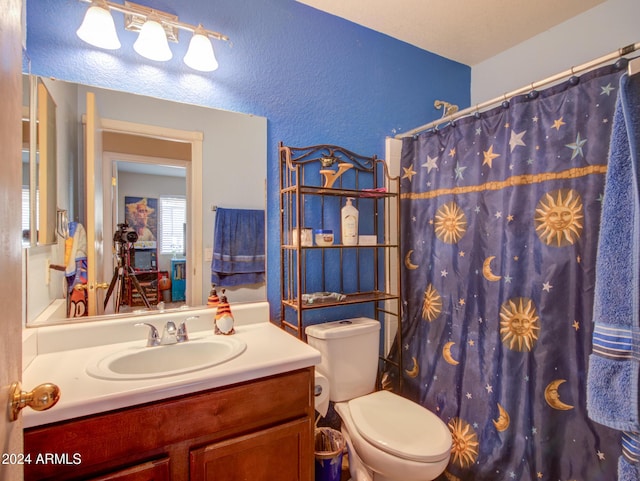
329,445
164,285
166,295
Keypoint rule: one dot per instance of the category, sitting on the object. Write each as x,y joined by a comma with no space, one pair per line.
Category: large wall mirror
123,162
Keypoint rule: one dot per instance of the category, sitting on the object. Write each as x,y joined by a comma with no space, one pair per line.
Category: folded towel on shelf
238,247
613,377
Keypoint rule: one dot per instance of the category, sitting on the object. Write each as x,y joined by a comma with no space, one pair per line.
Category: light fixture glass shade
152,42
200,55
98,28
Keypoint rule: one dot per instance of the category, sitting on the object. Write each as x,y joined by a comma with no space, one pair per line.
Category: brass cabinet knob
41,398
103,285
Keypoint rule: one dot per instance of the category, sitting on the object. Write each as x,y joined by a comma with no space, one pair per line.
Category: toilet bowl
390,438
393,439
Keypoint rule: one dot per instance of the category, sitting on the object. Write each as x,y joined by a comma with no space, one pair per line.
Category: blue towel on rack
613,378
238,247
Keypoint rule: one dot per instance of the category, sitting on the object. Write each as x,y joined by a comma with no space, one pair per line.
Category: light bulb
98,28
200,54
152,42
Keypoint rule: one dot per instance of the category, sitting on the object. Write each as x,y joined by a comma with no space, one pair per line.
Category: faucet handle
169,333
182,334
154,337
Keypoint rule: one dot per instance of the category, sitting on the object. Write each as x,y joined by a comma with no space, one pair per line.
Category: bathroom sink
161,361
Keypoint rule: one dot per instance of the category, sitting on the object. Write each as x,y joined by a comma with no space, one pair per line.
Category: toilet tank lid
343,328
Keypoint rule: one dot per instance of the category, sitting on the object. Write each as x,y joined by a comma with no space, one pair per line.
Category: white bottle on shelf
349,224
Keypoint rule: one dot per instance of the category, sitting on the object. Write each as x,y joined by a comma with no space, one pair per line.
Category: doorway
149,196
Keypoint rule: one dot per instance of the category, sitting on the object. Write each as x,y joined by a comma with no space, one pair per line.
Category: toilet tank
349,351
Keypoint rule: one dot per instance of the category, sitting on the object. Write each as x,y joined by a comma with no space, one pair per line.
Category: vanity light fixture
156,29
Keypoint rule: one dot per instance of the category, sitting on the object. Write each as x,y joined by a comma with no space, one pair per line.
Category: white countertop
269,351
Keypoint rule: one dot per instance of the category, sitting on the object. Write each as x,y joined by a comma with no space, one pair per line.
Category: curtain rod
621,52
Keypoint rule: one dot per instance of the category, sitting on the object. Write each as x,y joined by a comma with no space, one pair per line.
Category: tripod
121,273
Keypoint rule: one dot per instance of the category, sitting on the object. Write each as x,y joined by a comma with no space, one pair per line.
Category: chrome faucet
170,334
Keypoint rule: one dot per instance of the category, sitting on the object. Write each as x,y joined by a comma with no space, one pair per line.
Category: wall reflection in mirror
129,166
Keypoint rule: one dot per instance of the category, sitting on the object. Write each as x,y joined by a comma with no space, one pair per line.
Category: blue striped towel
614,365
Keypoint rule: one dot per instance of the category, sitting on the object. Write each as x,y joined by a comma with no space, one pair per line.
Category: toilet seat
401,427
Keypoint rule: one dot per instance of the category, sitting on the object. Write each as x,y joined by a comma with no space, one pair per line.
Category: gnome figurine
224,318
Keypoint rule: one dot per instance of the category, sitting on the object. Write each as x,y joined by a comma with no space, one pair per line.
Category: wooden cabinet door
151,471
282,453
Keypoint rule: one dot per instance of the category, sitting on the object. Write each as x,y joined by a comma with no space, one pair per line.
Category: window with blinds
173,215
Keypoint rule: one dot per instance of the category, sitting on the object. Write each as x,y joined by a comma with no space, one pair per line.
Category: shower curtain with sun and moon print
500,218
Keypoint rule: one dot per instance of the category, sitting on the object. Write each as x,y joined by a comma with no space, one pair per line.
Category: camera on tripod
123,238
125,234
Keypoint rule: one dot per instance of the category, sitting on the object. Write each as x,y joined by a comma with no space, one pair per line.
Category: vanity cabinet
260,430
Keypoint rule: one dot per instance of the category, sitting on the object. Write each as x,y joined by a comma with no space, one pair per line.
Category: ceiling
468,31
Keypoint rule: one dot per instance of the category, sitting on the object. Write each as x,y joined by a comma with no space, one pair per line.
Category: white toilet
389,437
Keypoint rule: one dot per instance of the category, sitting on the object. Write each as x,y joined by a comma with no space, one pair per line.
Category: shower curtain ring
574,80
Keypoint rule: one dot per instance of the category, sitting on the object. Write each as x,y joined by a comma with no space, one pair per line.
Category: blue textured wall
316,77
